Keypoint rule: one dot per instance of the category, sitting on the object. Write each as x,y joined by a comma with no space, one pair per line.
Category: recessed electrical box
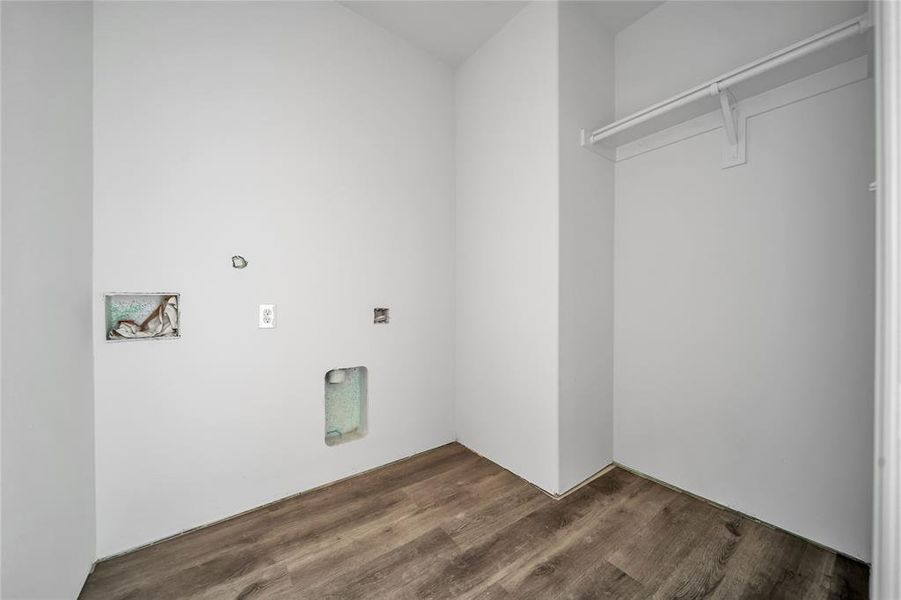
380,316
346,407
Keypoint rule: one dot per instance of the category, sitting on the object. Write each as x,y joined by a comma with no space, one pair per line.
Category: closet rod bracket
734,129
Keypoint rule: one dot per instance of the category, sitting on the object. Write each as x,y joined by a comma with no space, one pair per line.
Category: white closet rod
825,38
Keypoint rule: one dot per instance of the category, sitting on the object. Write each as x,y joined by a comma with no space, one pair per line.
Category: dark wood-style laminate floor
451,524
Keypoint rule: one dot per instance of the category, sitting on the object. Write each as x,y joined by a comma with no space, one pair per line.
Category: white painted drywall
47,387
319,147
586,248
1,306
449,29
507,247
744,297
681,44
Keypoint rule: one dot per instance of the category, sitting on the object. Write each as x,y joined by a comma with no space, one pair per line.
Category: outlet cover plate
267,316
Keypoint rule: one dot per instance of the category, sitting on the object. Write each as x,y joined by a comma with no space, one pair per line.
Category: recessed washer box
141,316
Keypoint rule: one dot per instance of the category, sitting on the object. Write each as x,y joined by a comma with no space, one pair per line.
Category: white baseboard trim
262,506
581,484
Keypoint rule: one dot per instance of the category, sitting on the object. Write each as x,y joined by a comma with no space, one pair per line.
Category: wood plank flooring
450,524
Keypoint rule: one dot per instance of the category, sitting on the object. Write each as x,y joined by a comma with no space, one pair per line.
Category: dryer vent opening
345,404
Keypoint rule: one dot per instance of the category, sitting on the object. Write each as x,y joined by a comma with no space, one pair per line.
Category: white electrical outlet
267,316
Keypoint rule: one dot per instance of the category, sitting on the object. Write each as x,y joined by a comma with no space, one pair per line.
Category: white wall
318,146
1,306
47,430
507,247
322,149
586,248
744,297
681,44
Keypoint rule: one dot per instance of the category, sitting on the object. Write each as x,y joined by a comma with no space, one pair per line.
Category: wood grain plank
658,547
392,574
494,592
702,570
339,555
473,525
849,580
810,579
763,562
451,524
518,545
582,551
603,581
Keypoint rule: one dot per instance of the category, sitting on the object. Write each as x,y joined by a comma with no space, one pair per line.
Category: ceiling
614,16
453,29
